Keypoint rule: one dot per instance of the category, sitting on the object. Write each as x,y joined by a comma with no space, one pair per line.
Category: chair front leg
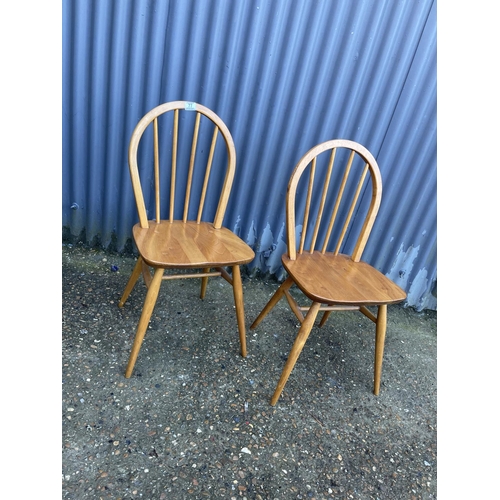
147,309
381,327
300,340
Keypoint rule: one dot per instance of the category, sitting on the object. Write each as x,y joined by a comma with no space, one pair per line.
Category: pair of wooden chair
337,211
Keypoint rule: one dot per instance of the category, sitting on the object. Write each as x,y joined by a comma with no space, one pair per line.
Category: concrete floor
194,420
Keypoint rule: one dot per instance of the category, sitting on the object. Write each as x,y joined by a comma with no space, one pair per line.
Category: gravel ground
194,420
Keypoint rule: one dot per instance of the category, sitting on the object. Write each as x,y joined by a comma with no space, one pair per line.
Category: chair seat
180,244
337,279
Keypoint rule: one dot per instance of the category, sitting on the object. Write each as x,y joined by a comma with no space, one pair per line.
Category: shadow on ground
194,420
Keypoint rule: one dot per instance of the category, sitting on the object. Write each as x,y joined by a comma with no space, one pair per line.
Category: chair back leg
204,283
131,281
278,295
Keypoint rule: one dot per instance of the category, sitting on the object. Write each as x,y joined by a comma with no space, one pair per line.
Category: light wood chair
336,207
198,179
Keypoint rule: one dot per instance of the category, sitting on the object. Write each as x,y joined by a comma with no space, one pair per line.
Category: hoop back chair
336,203
191,236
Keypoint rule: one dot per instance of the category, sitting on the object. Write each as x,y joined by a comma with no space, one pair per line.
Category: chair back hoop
220,128
348,195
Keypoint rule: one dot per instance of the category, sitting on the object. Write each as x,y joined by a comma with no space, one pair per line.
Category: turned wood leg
300,340
146,274
240,310
131,281
379,346
272,302
204,283
324,318
147,309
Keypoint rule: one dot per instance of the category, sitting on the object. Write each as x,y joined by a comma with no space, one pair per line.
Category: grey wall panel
406,229
284,75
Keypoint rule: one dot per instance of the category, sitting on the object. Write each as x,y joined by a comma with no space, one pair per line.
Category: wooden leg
147,309
146,274
131,281
300,340
204,282
273,301
379,346
324,318
240,311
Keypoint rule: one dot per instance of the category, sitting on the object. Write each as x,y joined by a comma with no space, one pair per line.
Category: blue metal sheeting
284,75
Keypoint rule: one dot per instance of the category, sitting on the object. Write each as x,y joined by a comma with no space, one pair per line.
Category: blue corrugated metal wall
284,75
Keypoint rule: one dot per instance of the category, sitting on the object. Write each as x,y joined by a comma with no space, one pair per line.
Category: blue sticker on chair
190,106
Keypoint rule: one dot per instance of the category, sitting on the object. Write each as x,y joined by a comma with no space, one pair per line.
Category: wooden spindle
157,168
174,164
337,201
308,205
323,199
207,174
191,166
352,207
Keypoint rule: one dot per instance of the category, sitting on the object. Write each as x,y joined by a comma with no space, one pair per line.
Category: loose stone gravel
194,420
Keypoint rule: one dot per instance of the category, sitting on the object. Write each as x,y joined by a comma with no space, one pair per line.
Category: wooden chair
338,207
191,237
